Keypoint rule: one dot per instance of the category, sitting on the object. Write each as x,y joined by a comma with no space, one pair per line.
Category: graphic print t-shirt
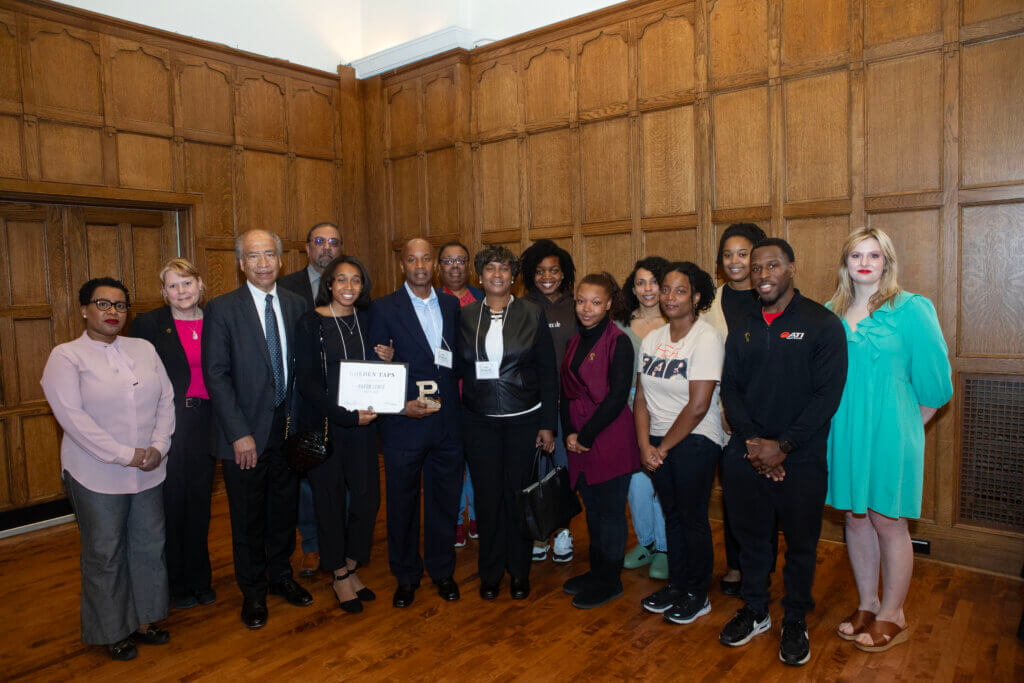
666,368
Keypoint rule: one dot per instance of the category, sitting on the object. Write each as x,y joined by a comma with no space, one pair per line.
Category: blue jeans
307,518
467,498
648,520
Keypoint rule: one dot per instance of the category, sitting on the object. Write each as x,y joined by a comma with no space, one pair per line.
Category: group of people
642,393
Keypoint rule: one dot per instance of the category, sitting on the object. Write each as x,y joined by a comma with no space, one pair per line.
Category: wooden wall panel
675,245
265,192
667,153
405,185
904,124
102,251
10,82
71,154
39,434
10,146
546,84
913,234
311,119
603,81
742,145
665,61
442,192
66,68
315,188
495,97
141,79
261,107
26,243
813,28
221,273
206,99
148,258
208,170
738,39
889,20
817,243
498,185
613,253
144,161
550,175
980,10
5,469
605,170
438,114
403,116
817,137
992,138
992,285
32,343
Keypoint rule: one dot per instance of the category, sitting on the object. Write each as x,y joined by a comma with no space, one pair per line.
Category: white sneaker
563,546
540,552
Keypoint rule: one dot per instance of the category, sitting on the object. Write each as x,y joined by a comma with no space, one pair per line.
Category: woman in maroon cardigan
603,452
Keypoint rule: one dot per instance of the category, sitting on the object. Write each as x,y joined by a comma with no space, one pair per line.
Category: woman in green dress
899,375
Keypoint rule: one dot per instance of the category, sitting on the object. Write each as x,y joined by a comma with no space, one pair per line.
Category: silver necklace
351,330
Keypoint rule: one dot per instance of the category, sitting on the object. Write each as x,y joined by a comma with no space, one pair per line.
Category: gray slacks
124,575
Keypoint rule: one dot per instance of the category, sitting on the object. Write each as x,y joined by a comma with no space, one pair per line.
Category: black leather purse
307,449
548,503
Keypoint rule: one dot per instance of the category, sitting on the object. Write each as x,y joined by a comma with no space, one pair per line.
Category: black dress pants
437,467
350,479
499,451
187,491
755,503
605,505
264,505
732,546
683,483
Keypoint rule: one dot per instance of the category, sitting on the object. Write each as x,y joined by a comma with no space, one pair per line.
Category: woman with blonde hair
899,376
176,331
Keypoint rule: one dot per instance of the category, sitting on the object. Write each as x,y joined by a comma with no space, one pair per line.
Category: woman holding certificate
333,332
510,399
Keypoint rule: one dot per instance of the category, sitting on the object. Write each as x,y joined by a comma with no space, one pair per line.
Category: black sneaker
578,584
689,610
744,626
794,648
662,599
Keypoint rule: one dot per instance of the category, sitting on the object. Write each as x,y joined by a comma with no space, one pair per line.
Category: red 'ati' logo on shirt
792,335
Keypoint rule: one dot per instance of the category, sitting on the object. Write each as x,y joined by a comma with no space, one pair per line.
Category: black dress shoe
122,651
206,596
151,636
404,595
448,589
520,588
365,594
254,612
489,591
578,584
292,592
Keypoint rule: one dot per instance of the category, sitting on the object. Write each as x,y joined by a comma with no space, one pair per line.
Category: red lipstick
864,271
111,321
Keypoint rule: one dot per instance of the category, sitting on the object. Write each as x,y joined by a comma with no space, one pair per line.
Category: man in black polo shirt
785,367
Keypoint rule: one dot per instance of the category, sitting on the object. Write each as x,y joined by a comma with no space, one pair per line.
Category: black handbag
548,503
308,449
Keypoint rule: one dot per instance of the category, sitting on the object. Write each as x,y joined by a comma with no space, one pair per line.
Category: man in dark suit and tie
246,351
425,442
323,243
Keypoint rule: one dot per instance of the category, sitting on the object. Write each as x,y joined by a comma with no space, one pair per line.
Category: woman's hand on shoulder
385,353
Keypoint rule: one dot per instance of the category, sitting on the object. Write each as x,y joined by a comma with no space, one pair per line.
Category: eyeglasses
453,261
105,304
321,241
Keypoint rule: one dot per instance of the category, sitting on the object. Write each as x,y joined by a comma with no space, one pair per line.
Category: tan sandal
884,634
860,620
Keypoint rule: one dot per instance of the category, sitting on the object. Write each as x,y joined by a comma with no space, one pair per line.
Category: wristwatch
786,446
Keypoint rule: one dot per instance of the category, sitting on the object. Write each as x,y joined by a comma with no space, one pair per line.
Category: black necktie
274,347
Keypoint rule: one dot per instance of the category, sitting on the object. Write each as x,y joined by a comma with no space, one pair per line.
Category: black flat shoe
353,606
489,591
519,589
448,589
404,595
122,651
206,596
292,592
151,636
254,612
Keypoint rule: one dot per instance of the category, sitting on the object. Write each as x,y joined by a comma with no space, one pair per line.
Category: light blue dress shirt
428,311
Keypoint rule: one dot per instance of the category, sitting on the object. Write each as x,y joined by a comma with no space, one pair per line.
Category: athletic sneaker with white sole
540,552
794,647
562,552
662,599
689,610
744,626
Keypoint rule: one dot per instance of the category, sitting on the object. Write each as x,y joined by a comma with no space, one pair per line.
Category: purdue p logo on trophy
428,393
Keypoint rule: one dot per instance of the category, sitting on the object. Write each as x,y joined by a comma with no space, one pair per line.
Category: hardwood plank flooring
964,625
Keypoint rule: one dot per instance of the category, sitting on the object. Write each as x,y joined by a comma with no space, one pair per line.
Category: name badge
443,357
488,369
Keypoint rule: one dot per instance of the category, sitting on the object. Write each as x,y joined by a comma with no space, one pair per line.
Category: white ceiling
325,33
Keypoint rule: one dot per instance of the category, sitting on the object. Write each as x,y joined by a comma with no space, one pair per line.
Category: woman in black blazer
346,487
176,331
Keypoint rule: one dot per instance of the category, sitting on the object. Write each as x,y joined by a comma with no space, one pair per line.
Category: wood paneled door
46,252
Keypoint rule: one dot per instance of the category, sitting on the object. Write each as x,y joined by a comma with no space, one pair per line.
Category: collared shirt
428,312
110,399
314,280
259,298
465,300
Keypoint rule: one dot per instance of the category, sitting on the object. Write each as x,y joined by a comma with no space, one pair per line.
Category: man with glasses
323,243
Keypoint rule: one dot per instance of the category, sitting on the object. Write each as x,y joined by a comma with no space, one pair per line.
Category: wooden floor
964,628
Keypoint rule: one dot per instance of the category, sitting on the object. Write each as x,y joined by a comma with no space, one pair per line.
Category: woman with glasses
176,330
114,401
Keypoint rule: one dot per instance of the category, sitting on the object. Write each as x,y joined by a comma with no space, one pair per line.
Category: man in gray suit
246,351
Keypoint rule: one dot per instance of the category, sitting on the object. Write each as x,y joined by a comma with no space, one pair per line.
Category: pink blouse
190,332
110,399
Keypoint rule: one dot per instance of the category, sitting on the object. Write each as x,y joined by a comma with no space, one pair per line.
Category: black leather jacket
528,375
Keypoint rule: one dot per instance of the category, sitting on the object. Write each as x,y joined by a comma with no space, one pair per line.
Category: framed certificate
365,385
